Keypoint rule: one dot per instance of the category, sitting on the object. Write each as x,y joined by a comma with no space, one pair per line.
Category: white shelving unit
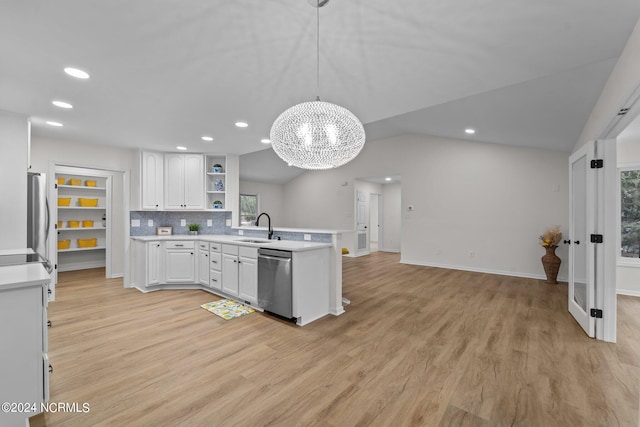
75,257
216,183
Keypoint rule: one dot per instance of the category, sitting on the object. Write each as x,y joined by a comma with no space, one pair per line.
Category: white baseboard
117,275
80,266
394,251
628,292
480,270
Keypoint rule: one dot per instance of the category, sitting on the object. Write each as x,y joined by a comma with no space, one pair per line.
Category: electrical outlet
240,232
228,223
183,222
209,223
307,237
150,223
135,223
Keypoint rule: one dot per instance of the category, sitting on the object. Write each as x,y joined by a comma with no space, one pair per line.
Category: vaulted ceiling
165,72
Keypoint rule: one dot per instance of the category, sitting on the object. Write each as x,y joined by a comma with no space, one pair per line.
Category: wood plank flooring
417,346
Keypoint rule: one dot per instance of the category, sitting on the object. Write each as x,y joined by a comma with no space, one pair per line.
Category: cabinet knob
206,254
191,253
50,369
577,242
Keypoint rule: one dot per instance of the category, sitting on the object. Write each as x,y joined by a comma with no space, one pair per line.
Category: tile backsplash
173,219
218,220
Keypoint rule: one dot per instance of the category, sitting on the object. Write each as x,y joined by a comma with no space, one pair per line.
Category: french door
582,221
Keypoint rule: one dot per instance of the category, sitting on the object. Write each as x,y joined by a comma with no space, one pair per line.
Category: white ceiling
166,72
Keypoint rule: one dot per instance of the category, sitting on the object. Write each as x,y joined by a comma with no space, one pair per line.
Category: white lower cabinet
230,269
154,262
215,264
203,263
248,274
179,262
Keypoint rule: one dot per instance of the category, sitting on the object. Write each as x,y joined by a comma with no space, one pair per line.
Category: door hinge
596,312
597,164
596,238
623,111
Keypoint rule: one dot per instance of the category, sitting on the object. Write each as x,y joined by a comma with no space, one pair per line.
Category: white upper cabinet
183,181
152,180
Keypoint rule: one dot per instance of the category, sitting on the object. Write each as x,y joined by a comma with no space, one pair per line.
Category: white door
203,267
582,210
362,231
248,280
173,181
230,274
153,263
152,180
180,265
194,181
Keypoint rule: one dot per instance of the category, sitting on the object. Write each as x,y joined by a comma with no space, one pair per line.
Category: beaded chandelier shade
317,134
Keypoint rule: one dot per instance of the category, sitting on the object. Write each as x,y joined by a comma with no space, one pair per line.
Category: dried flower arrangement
551,237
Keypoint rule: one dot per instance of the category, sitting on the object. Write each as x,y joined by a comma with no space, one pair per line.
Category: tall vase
551,264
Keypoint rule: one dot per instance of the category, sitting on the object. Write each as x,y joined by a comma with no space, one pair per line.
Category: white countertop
21,251
285,245
17,276
294,230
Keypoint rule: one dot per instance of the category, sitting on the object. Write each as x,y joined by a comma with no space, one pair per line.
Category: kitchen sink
261,241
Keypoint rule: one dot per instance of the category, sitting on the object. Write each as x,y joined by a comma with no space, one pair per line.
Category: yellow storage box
87,243
90,183
73,181
59,224
87,203
63,244
60,181
87,223
64,201
74,224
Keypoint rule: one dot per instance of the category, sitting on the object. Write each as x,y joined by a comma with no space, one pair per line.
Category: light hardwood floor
417,346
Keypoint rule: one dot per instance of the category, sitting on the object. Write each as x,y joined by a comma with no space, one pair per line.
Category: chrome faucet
269,218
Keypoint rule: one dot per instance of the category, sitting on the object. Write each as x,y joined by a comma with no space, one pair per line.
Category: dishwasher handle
275,258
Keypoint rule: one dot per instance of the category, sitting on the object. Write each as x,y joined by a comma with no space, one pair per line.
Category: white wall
489,199
621,83
44,151
270,199
14,146
628,276
392,217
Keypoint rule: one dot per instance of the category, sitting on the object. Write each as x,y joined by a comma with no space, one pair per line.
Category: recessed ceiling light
62,104
265,140
76,73
242,124
56,124
207,138
179,147
470,131
388,178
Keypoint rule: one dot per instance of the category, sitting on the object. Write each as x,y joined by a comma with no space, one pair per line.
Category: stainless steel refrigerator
38,216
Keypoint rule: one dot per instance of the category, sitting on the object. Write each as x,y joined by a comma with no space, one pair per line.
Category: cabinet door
194,181
203,267
230,274
180,265
153,263
248,279
152,180
173,181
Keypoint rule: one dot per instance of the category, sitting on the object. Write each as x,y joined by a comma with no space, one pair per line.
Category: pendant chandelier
317,134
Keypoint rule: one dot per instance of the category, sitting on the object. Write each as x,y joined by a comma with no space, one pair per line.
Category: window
248,209
630,213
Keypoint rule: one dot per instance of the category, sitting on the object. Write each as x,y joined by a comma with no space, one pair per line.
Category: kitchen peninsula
227,265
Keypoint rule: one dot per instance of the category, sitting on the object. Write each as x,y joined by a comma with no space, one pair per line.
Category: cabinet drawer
204,246
230,249
215,279
248,252
216,260
179,245
215,247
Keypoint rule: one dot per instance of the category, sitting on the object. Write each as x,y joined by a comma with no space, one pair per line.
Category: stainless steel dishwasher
274,282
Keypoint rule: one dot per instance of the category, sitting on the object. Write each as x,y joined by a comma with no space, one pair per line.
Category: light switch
135,223
307,237
240,232
150,223
183,222
228,223
209,223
